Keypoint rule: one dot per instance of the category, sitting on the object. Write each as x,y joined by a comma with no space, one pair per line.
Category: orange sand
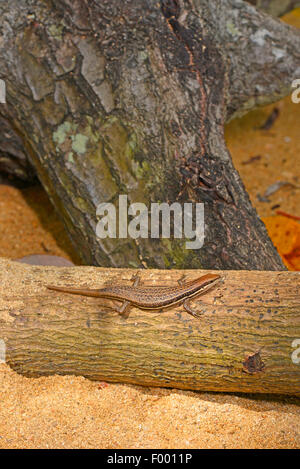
279,149
29,225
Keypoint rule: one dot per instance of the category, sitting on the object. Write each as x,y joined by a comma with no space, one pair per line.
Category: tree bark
245,341
131,98
263,55
275,7
14,160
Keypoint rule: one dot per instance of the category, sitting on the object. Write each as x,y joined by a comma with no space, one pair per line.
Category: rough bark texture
263,55
242,343
14,160
275,7
131,98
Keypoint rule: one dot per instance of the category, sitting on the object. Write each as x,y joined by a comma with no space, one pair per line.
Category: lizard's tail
75,291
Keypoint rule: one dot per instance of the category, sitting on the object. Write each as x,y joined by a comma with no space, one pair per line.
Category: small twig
274,188
250,160
271,119
288,215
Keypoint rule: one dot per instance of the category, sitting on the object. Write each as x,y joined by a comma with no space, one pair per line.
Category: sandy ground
72,412
69,412
29,225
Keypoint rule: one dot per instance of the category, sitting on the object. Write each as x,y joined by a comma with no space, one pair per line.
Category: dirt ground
73,412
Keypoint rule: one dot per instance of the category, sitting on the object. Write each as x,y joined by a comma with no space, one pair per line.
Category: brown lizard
150,297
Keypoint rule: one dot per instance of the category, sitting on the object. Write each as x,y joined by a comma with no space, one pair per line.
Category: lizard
149,297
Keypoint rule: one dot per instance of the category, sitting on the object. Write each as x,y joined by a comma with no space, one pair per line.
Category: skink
150,297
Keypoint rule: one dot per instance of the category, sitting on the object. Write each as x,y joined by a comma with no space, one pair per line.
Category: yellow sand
69,412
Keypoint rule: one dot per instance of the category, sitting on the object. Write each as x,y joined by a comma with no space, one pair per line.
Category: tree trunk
14,160
247,340
131,98
275,7
262,54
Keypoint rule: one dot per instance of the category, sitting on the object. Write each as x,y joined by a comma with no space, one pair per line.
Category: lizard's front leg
181,280
135,279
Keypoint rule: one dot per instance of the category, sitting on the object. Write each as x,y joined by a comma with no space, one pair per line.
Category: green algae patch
56,31
79,143
232,29
174,252
118,143
63,132
67,138
70,157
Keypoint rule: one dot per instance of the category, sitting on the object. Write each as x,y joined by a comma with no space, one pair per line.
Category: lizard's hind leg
122,309
186,305
124,306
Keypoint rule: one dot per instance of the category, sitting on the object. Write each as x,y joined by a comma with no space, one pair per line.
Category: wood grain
242,343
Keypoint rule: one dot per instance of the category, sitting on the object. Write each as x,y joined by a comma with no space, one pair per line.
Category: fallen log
247,340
